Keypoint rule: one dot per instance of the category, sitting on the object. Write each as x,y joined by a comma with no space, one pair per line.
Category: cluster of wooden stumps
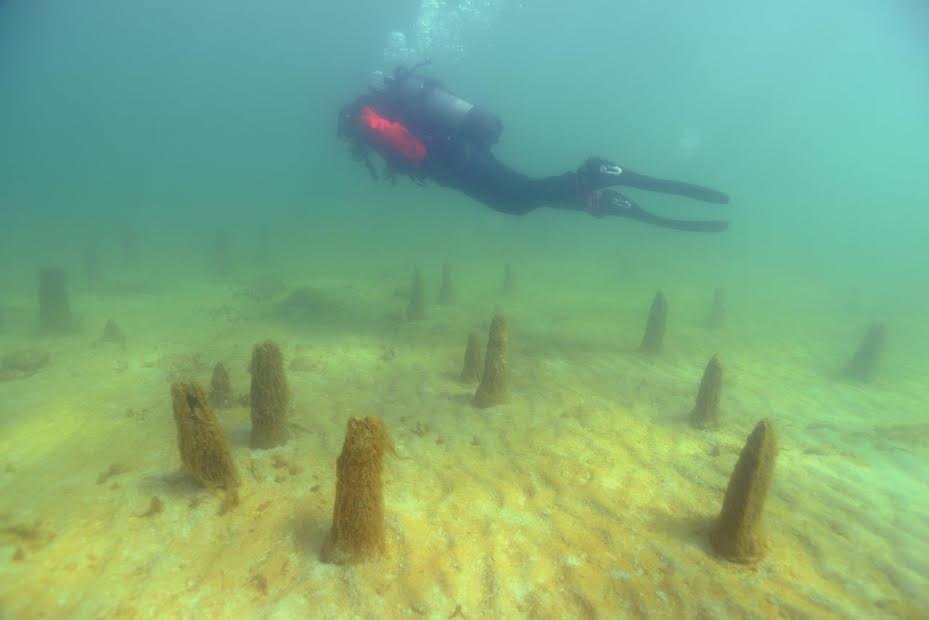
204,453
861,367
56,316
416,306
357,532
738,534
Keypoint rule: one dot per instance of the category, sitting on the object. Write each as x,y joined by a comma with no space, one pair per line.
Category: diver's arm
361,152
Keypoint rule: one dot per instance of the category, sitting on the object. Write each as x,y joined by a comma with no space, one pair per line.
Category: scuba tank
440,110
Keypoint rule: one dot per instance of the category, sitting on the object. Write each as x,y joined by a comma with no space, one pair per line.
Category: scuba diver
424,131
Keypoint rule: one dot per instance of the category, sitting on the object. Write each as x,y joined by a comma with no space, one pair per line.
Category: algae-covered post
471,369
93,269
262,246
447,289
113,333
416,310
220,258
357,532
738,535
717,314
862,366
54,302
509,280
204,453
705,413
129,244
852,301
220,387
493,387
269,397
653,340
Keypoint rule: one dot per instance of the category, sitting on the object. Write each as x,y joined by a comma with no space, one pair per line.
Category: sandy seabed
586,495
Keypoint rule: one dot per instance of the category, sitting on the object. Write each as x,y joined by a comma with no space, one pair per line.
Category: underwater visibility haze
243,374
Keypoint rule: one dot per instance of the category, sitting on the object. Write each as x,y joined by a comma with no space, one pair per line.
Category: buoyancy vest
392,135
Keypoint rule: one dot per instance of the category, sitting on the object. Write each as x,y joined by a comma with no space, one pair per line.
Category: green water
177,125
192,148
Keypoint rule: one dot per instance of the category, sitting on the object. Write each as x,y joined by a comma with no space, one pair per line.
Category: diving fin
620,206
665,186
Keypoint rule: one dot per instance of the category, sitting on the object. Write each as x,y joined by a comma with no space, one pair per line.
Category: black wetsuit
455,160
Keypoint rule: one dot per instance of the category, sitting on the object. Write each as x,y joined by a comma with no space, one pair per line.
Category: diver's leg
602,173
483,177
491,182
